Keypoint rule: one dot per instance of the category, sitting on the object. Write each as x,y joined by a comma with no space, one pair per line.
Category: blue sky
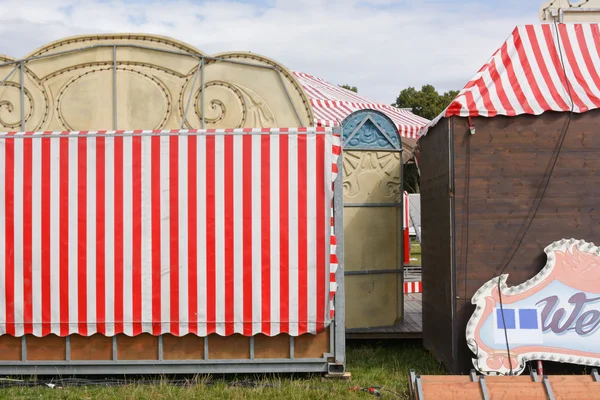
381,46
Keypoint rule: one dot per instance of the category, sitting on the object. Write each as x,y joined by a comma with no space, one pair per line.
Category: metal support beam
420,394
206,348
22,84
115,88
292,348
252,347
23,348
548,388
595,376
339,300
202,91
160,348
68,348
189,100
114,348
484,391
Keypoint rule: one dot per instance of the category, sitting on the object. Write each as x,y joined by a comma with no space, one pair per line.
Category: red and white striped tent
331,104
539,68
212,231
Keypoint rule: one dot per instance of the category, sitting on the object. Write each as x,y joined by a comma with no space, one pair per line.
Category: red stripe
156,250
136,197
118,235
247,227
284,247
27,235
320,235
45,245
302,236
100,236
9,186
63,221
82,234
558,66
174,225
572,62
229,236
192,233
211,307
495,75
265,210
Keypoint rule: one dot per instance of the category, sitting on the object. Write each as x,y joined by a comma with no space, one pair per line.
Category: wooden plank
272,347
234,347
436,247
141,347
95,347
47,348
188,347
10,348
472,390
311,346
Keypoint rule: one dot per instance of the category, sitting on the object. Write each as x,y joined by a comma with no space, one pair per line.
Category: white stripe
256,235
36,234
2,236
73,209
91,233
55,218
311,197
182,174
238,237
220,232
201,232
127,235
594,55
147,234
275,262
165,244
109,218
293,232
18,249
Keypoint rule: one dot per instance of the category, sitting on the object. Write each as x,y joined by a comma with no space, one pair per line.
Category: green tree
351,88
427,102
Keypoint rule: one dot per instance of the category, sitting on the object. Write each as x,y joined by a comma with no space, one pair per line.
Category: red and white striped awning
332,104
539,68
198,231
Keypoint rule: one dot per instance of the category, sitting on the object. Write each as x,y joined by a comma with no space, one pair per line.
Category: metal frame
573,10
202,59
332,362
395,148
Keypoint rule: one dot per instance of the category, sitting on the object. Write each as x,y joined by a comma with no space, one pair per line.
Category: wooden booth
510,167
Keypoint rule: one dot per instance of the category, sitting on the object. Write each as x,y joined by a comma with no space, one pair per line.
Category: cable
466,213
540,193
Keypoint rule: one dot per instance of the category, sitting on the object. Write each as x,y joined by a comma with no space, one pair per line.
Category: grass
415,253
383,364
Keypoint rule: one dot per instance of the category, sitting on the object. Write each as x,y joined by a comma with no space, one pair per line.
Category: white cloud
381,46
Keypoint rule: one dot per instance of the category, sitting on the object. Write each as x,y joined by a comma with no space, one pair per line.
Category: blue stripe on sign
528,318
509,319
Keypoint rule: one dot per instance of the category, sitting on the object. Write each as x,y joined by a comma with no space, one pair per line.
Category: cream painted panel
74,90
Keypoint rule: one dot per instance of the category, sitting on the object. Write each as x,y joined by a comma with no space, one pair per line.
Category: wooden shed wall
434,165
509,157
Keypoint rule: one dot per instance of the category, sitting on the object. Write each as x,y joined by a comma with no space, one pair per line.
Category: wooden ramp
532,387
410,328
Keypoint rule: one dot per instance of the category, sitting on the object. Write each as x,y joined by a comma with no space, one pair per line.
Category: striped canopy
332,104
539,68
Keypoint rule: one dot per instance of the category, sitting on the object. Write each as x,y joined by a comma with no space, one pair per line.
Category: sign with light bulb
554,316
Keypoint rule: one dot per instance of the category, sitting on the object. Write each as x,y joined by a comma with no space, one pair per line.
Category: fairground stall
157,215
507,171
383,293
